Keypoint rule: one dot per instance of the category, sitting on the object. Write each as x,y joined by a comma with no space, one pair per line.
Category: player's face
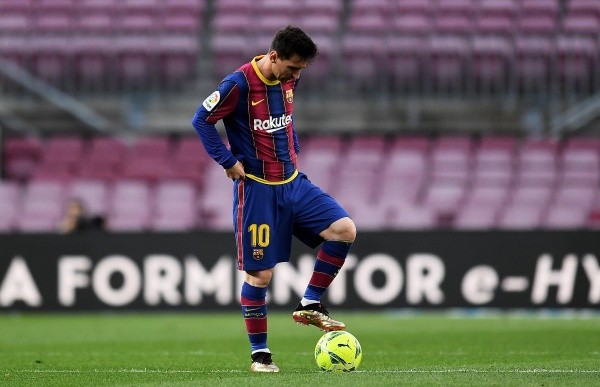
286,69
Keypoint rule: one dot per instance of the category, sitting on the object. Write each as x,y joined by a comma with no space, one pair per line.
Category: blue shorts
266,216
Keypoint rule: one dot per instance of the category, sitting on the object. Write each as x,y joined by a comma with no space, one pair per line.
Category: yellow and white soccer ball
338,351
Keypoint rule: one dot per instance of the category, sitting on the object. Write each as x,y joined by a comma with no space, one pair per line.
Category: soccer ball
338,351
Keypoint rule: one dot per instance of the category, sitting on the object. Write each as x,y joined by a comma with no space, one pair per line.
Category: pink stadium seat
108,149
217,194
44,190
8,216
535,24
315,24
173,223
583,7
355,187
412,6
14,23
229,7
64,150
492,56
10,191
42,208
444,199
149,169
21,154
323,7
367,217
537,162
409,24
533,58
412,218
394,190
131,190
158,147
372,24
230,52
507,8
475,217
581,196
406,61
175,192
447,58
577,61
584,24
456,7
566,217
520,217
453,24
540,7
487,196
533,196
33,223
127,223
93,193
364,154
451,160
377,6
16,5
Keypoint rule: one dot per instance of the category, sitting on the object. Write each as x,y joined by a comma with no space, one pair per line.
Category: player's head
290,52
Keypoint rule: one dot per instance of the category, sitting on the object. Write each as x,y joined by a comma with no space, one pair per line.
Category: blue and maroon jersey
257,114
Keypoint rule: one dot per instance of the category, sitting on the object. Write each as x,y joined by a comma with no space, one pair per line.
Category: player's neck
264,66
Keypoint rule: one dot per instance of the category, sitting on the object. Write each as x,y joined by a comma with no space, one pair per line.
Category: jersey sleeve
216,106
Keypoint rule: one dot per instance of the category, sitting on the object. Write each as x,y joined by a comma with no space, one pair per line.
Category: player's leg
330,258
258,251
254,309
322,219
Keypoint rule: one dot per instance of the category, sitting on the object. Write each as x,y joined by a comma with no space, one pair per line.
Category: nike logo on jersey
254,103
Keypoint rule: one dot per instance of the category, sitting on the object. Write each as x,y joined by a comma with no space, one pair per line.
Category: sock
254,309
330,259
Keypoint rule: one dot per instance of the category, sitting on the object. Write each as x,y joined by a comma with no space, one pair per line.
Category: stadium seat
34,223
520,217
577,66
412,218
93,193
475,217
492,57
543,8
456,7
444,199
20,156
406,61
565,217
534,56
451,160
447,60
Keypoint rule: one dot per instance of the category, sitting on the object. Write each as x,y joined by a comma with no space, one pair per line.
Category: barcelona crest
289,95
258,254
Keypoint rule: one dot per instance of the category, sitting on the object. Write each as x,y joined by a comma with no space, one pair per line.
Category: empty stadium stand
399,182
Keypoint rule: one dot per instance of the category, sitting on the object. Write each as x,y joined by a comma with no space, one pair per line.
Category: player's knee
342,230
259,278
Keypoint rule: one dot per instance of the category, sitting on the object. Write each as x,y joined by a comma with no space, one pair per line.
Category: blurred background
417,115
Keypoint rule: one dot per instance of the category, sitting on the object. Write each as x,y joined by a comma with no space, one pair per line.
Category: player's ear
273,56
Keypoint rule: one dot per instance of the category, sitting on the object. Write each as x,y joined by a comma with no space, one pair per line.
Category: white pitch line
407,371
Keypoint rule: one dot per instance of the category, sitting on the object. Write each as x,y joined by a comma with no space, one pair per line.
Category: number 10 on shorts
260,234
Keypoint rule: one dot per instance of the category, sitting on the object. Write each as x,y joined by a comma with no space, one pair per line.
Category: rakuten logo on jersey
273,124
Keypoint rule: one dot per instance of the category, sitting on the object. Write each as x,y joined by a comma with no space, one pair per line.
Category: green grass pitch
209,349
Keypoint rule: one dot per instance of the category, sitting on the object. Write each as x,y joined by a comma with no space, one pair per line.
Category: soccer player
272,200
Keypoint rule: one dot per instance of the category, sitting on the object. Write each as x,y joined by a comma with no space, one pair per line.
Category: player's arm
219,104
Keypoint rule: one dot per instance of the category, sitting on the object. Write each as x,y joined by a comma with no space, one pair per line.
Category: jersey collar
262,77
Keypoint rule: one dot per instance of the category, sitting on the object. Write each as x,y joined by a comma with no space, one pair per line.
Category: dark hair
292,40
